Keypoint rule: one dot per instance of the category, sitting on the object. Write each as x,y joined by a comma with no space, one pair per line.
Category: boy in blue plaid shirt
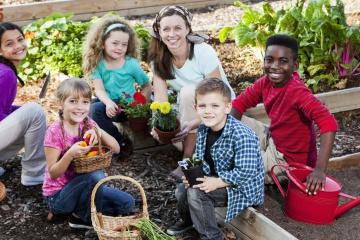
232,164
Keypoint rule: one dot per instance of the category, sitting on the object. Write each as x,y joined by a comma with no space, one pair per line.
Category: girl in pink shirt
65,191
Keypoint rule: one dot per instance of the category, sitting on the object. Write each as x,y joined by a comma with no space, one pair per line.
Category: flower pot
139,124
193,173
165,137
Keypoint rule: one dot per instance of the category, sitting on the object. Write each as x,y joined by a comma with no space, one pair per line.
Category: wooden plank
336,101
251,224
343,162
85,9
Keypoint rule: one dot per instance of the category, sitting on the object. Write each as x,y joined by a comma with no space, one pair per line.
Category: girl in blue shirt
110,61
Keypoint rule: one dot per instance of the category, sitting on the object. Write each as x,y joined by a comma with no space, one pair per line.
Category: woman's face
13,46
173,32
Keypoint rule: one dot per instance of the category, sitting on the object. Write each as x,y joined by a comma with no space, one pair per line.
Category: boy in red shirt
292,109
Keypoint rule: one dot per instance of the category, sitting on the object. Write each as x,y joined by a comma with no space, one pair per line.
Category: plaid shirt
237,161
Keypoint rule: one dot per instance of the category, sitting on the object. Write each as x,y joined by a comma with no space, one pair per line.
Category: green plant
152,231
138,111
54,44
144,37
190,162
328,46
163,116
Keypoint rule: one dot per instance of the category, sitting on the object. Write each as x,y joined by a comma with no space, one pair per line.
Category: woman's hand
111,109
76,150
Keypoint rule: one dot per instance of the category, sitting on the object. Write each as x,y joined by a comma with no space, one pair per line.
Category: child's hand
185,182
315,181
111,109
90,137
209,184
77,150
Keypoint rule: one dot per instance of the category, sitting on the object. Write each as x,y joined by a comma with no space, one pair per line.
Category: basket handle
120,177
99,139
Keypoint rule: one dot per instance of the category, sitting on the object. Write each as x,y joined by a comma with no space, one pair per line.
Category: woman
22,126
181,60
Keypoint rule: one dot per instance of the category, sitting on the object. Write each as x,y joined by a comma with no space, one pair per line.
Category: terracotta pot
165,137
139,124
193,173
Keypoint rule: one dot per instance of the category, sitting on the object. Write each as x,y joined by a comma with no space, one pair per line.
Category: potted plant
138,116
164,121
192,168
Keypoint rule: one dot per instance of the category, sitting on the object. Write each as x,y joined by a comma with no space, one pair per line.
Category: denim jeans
197,207
98,114
75,198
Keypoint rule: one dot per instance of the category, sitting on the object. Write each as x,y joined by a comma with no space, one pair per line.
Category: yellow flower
165,107
155,106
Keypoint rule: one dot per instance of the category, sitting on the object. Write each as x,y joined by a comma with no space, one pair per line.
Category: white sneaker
2,171
31,181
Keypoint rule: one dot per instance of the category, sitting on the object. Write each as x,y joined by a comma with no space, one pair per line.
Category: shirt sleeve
315,110
246,160
250,97
207,58
7,93
138,73
54,138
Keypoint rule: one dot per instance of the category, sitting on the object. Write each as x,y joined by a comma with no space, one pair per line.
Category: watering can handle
300,185
300,166
275,178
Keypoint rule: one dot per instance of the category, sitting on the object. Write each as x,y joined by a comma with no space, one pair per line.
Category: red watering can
321,208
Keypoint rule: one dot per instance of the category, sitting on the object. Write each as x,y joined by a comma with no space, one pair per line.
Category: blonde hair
95,39
73,87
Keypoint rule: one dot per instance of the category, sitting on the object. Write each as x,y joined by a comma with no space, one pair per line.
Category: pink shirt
55,139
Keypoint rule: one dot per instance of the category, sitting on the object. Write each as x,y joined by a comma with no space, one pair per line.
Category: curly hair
95,39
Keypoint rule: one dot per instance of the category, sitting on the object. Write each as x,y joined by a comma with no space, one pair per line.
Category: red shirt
293,110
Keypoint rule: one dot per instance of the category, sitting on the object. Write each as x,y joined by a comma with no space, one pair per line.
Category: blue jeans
98,114
197,207
75,198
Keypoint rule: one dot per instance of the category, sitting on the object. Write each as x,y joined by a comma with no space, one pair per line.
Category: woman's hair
5,26
211,85
100,31
159,54
72,87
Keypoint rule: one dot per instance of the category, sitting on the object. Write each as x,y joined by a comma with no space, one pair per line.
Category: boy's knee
180,192
194,195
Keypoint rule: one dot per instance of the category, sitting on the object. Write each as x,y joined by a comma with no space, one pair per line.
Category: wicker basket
2,191
90,164
105,225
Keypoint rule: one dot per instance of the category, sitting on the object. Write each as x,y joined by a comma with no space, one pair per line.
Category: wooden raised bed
85,9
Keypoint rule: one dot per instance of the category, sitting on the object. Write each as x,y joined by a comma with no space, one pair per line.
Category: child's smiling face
13,46
213,109
75,109
116,45
279,64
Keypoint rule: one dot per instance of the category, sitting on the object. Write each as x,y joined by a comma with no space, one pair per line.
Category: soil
23,212
346,227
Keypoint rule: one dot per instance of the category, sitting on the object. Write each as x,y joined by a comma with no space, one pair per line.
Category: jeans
75,198
197,207
98,114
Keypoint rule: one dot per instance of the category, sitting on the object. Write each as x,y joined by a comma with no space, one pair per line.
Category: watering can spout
347,206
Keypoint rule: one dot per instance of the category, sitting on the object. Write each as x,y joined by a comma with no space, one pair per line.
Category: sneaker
77,223
179,228
2,171
31,181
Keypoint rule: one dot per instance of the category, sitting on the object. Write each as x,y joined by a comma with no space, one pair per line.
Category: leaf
224,32
313,69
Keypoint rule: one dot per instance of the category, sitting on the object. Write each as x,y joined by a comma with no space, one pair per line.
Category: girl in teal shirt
110,61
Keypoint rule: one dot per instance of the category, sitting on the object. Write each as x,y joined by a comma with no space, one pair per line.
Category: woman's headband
113,26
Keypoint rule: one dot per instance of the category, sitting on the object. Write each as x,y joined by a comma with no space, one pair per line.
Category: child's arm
111,107
57,167
316,180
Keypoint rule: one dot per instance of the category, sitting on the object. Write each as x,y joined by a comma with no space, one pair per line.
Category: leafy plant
163,116
144,37
152,231
191,162
138,111
54,44
328,46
